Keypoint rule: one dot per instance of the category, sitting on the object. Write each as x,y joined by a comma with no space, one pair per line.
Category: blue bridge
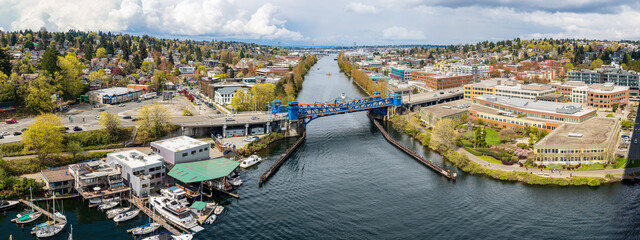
308,112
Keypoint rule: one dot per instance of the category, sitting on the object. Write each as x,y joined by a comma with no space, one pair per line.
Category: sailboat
54,228
147,228
71,233
28,216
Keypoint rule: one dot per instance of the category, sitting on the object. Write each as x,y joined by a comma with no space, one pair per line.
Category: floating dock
274,168
44,212
429,164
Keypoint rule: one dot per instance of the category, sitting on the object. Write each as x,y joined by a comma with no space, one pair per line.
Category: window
193,152
185,154
200,150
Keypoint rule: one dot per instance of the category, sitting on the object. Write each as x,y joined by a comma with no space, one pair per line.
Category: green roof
203,170
198,205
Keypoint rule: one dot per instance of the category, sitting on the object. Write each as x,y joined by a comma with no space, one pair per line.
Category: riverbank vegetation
260,144
360,77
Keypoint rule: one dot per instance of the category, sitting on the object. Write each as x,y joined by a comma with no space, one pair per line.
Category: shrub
522,145
472,151
610,115
186,112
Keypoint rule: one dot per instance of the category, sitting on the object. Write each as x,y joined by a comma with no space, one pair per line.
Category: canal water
347,182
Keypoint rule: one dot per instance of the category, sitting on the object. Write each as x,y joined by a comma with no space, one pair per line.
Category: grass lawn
490,159
493,139
621,162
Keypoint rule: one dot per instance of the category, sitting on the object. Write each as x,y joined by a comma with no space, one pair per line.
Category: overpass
413,101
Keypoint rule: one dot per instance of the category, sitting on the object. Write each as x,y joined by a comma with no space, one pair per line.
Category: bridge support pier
268,128
294,128
246,129
224,130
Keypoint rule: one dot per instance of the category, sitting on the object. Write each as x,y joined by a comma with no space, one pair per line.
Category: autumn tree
444,135
43,136
111,122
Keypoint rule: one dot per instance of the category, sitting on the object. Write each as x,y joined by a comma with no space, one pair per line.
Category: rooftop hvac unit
575,134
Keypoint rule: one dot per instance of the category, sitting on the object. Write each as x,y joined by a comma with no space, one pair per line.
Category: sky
334,22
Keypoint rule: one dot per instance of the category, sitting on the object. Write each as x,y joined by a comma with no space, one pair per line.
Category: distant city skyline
333,22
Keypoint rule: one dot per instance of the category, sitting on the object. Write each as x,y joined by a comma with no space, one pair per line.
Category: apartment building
401,73
438,82
601,96
96,181
607,74
139,171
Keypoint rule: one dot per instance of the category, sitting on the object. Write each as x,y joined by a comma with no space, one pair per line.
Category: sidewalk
618,173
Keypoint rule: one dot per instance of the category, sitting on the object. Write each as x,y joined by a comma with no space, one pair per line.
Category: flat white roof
180,143
116,91
135,159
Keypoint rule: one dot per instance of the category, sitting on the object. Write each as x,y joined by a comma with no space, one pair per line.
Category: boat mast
31,195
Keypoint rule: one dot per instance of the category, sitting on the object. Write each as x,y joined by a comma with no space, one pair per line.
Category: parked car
134,119
122,105
11,121
635,141
255,118
77,129
23,129
126,117
218,136
228,119
98,117
97,106
101,110
5,134
17,133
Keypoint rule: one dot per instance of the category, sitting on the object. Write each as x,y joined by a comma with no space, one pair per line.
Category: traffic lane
634,148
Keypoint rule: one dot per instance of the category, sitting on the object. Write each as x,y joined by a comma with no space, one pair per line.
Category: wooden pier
429,164
140,204
265,176
44,212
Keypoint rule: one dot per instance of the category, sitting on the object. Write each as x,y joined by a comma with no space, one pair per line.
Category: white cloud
361,8
400,33
185,17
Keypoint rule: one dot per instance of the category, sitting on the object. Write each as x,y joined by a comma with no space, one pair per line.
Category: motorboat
218,210
250,161
173,210
6,205
115,212
236,181
126,216
167,236
146,229
108,205
103,200
210,219
184,236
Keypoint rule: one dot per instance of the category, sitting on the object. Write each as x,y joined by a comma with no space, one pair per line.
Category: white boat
175,193
250,161
103,200
108,205
126,216
167,236
210,219
61,216
54,228
146,229
236,181
184,236
38,227
218,210
173,210
6,205
115,212
29,215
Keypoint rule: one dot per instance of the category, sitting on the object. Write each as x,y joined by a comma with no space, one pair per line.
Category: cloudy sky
334,22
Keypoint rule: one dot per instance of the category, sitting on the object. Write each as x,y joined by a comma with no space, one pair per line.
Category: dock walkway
429,164
140,204
265,176
44,212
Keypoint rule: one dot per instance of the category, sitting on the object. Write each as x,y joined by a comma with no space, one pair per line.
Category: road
431,96
634,148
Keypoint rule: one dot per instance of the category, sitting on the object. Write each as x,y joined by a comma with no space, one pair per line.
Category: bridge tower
294,125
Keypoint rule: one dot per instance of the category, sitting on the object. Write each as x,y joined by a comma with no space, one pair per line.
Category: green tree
158,81
481,137
37,95
43,136
568,66
111,122
101,53
5,64
74,148
71,85
146,66
49,61
88,51
596,63
614,107
7,89
241,100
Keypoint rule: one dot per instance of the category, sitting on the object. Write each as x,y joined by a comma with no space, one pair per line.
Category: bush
98,137
609,115
472,151
261,143
186,112
32,165
523,145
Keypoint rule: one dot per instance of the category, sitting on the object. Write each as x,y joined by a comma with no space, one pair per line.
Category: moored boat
115,212
210,219
54,227
218,210
6,205
173,210
145,229
250,161
108,205
126,216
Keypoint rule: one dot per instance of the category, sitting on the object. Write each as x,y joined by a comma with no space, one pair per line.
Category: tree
146,66
71,85
241,100
158,81
74,148
5,64
43,136
37,95
111,122
7,89
596,63
614,107
507,135
88,51
481,137
568,66
626,123
154,121
49,61
444,135
101,53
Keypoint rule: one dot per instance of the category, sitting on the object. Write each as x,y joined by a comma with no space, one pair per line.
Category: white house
181,149
224,95
140,171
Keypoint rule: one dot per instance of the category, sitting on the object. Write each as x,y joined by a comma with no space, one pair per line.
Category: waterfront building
57,180
141,172
181,149
205,175
96,180
401,73
114,95
593,141
438,82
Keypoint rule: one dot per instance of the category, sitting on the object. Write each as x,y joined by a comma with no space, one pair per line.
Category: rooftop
180,143
56,174
116,91
93,169
539,106
594,131
450,108
135,159
203,170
